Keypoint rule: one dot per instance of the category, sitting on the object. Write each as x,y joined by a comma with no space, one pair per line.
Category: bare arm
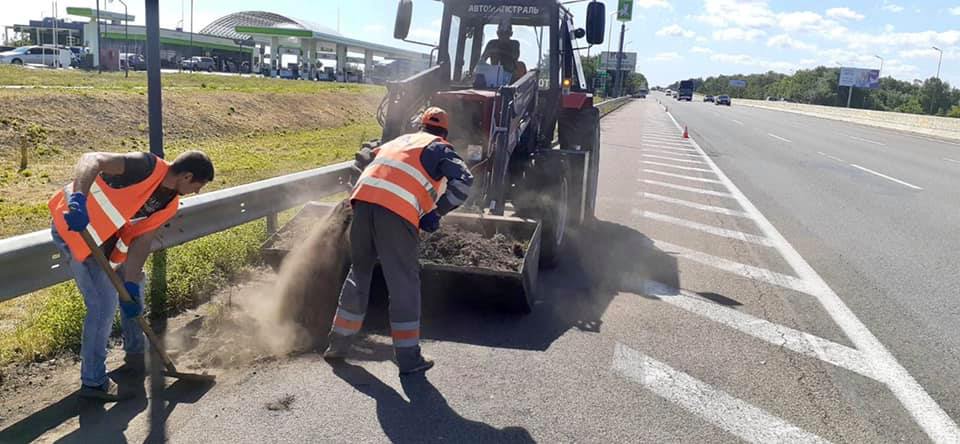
92,164
137,256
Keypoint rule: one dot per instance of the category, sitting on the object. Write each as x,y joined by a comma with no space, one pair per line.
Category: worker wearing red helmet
406,185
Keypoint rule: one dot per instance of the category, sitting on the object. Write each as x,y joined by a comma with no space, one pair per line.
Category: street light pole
939,61
619,88
126,40
99,65
881,64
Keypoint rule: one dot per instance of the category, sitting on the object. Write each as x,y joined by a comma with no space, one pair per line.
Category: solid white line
747,271
698,206
831,157
681,176
736,121
654,156
672,153
690,189
778,137
906,184
951,160
776,334
665,143
672,148
710,229
734,415
924,410
866,140
650,162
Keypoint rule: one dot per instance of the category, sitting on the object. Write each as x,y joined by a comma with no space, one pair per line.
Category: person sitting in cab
505,51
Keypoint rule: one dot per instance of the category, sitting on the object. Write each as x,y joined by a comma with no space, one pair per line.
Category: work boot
134,364
107,392
338,347
410,360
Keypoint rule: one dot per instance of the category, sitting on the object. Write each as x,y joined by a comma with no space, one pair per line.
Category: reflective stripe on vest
413,172
393,188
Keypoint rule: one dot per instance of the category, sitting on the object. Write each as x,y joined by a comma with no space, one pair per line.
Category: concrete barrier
945,127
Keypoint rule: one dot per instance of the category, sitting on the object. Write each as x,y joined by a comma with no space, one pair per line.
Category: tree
935,96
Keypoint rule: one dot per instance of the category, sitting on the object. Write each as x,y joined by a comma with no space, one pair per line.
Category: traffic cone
685,134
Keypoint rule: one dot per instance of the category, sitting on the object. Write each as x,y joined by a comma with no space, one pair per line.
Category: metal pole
57,51
191,27
939,61
619,90
154,99
126,41
99,48
849,96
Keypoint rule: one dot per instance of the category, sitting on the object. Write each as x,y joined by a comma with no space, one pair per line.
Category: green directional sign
625,10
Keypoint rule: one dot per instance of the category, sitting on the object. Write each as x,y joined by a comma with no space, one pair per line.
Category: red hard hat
437,117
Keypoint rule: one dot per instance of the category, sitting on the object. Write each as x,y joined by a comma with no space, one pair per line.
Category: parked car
723,100
37,55
198,64
708,98
136,61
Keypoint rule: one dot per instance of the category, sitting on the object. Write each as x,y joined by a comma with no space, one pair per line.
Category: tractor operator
504,51
400,190
108,192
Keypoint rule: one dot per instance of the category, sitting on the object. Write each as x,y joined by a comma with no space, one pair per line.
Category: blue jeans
101,300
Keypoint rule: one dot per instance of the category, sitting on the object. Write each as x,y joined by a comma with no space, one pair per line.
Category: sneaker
338,347
134,364
107,392
410,360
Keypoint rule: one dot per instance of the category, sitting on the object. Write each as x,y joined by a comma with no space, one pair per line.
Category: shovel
168,368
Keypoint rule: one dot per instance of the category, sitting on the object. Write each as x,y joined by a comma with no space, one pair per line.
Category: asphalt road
762,292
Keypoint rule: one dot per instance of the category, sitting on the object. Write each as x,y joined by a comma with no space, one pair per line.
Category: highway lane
888,249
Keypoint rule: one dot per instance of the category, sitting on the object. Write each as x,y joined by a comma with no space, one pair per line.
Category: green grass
71,78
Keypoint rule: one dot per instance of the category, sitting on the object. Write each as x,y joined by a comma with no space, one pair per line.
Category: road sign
608,61
625,10
738,83
860,78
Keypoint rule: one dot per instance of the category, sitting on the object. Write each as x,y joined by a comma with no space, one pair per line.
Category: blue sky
675,39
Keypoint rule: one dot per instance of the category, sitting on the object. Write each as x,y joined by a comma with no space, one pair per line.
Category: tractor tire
551,181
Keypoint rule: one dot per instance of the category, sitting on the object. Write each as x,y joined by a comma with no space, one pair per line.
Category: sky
674,39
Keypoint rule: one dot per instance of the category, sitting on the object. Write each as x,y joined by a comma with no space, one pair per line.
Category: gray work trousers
378,234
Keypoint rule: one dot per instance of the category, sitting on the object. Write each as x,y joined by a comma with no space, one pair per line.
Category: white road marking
951,160
650,162
831,157
906,184
690,189
672,153
665,142
681,176
709,229
747,271
867,140
654,156
736,121
924,410
698,206
734,415
670,147
776,334
778,137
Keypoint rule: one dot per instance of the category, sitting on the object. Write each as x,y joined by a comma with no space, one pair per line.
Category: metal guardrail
31,262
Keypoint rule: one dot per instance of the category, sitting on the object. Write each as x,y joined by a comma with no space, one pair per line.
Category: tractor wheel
553,208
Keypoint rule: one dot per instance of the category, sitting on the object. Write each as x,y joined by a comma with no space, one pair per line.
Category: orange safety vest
110,210
397,181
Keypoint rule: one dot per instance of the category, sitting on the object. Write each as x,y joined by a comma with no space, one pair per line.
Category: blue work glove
133,308
77,218
430,222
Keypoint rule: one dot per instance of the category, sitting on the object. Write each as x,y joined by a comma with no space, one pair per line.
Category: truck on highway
685,91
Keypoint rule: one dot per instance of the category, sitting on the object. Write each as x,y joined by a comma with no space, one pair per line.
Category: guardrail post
272,223
158,285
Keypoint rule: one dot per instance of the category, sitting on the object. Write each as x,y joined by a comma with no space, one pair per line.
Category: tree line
631,84
819,86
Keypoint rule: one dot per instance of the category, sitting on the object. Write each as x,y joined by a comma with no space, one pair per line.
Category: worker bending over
397,193
120,200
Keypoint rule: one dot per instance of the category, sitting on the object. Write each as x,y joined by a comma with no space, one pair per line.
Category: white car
37,55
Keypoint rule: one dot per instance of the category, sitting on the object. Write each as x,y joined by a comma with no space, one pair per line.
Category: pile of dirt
454,245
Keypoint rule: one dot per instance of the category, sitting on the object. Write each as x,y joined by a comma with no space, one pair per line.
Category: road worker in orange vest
411,182
120,200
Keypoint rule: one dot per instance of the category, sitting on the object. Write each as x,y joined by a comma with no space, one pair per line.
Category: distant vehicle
198,64
37,55
136,62
685,90
723,100
641,94
708,98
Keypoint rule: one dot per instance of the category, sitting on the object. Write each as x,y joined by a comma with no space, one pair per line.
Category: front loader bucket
510,290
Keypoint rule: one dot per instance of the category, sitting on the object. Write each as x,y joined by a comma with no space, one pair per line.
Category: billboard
738,83
860,78
608,61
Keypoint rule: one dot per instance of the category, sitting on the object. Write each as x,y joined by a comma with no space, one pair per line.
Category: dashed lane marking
867,140
778,137
892,179
831,157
